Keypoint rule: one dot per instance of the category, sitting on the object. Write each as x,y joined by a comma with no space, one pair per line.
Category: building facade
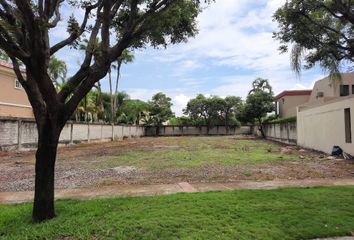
13,98
327,120
288,101
328,89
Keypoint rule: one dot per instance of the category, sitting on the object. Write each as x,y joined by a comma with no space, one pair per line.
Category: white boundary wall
22,133
323,127
165,131
280,132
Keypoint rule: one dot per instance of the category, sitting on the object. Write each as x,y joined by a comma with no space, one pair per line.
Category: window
344,90
18,84
348,126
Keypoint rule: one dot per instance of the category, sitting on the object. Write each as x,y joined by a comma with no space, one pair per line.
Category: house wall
323,127
287,105
330,89
13,101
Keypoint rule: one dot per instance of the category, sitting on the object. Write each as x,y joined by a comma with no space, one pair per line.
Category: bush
283,120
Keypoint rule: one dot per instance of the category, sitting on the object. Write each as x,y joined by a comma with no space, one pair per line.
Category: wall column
71,133
19,134
88,132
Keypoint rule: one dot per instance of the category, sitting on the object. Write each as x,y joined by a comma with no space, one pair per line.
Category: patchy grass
249,214
200,151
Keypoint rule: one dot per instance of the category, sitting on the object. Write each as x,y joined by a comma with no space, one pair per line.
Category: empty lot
172,160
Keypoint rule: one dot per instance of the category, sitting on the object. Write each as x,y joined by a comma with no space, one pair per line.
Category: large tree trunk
227,124
261,129
111,93
48,138
115,104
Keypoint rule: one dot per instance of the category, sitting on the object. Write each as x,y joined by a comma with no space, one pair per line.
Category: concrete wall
22,133
323,127
280,132
195,131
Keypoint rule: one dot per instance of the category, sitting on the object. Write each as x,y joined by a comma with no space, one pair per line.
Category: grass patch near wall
248,214
198,152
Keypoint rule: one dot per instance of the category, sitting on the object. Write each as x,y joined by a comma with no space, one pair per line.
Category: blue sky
234,46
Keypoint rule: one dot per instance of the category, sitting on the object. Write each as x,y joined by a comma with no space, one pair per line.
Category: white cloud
179,103
235,37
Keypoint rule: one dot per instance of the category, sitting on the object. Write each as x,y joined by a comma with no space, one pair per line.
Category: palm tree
94,48
261,84
126,57
57,70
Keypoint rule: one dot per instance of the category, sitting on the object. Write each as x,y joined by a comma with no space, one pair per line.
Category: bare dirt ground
114,163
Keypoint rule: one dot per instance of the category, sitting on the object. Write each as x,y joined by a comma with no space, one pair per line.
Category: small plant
247,172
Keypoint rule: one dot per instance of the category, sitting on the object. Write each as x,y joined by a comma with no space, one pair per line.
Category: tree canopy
319,32
258,104
110,27
160,108
57,70
213,110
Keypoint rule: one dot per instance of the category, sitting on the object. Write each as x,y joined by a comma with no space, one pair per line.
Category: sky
234,46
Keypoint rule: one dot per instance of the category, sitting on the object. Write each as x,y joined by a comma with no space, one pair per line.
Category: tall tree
126,57
132,111
213,110
260,84
25,28
258,104
197,109
57,70
160,108
319,32
231,108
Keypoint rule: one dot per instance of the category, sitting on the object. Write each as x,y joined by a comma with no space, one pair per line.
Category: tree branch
10,47
33,93
57,18
75,80
75,35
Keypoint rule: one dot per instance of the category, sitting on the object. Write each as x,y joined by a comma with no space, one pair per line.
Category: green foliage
160,109
261,85
57,70
174,25
296,213
4,56
257,105
181,121
213,110
319,32
132,111
270,118
283,120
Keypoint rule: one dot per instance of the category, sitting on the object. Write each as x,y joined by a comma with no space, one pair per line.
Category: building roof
294,93
9,65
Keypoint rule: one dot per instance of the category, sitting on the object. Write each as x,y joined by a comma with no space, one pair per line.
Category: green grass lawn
197,152
249,214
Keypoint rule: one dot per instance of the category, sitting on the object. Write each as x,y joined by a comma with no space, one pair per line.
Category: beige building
326,90
13,98
288,101
327,120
